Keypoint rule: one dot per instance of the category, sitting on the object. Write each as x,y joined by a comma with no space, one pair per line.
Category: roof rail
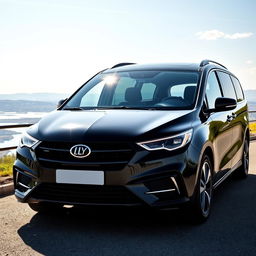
122,64
205,62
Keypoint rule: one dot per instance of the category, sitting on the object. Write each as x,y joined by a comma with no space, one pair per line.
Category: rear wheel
45,207
200,205
242,171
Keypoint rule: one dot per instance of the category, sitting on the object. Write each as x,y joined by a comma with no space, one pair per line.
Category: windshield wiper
137,108
126,107
112,107
120,107
74,108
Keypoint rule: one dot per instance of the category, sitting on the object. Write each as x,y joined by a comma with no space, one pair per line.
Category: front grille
85,194
104,156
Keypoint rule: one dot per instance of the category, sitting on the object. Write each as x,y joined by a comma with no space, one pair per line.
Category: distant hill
55,97
45,102
250,95
23,106
252,105
46,97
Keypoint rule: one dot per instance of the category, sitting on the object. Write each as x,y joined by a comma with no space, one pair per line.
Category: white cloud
216,34
249,62
210,34
239,35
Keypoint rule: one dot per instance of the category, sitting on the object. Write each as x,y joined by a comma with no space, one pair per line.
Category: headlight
168,143
27,141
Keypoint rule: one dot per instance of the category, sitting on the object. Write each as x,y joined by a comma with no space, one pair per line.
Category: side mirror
223,104
60,103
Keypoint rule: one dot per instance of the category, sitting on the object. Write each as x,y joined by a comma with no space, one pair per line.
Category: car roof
155,66
166,66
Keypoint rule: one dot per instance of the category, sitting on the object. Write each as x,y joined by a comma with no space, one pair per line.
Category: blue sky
54,46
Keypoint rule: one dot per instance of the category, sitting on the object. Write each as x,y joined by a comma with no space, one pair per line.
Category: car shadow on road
230,229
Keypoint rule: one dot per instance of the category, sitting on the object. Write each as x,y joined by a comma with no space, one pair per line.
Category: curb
6,190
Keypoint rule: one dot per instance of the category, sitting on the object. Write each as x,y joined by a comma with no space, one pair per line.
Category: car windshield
137,90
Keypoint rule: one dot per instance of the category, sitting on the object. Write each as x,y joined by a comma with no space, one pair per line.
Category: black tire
242,171
200,206
45,207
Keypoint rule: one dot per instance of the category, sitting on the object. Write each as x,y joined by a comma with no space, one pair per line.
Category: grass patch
6,163
252,127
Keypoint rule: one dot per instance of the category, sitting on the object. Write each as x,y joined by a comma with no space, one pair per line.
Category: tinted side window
212,90
226,85
238,88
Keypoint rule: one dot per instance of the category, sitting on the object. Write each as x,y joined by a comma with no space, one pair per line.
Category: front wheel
200,206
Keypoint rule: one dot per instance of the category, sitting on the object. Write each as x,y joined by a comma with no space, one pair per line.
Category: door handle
229,118
233,115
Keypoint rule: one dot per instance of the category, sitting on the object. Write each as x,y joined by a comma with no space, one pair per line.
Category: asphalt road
231,229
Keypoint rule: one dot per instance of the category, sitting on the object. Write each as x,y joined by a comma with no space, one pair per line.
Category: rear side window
212,90
226,85
238,88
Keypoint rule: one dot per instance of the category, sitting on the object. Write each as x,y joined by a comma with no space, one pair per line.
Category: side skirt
218,182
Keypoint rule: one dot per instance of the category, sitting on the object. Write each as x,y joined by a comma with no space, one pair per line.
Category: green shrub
6,163
252,127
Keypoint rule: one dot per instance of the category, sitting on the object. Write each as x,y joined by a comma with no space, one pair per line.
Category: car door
239,122
220,129
234,115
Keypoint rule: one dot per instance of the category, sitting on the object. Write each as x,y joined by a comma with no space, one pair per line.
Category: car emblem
80,151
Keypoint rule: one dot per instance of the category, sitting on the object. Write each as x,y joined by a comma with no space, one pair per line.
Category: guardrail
252,120
12,126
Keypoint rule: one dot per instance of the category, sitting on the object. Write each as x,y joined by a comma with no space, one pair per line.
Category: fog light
23,182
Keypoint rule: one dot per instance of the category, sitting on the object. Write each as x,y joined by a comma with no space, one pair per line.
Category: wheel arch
209,152
206,149
247,134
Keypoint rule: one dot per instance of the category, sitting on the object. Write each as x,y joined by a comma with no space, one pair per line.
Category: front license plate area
80,177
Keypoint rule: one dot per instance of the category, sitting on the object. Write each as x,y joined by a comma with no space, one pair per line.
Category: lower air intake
85,194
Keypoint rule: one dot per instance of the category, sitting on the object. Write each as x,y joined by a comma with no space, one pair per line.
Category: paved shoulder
253,157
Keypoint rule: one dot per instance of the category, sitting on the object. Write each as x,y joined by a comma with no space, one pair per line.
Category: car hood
105,125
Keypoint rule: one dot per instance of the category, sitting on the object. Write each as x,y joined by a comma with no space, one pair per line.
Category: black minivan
158,135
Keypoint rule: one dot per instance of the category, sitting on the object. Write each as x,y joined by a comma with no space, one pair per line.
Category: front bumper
157,179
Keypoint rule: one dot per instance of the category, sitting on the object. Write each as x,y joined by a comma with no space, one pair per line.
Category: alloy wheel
205,188
246,158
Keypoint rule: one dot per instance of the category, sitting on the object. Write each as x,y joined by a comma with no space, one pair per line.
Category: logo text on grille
80,151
